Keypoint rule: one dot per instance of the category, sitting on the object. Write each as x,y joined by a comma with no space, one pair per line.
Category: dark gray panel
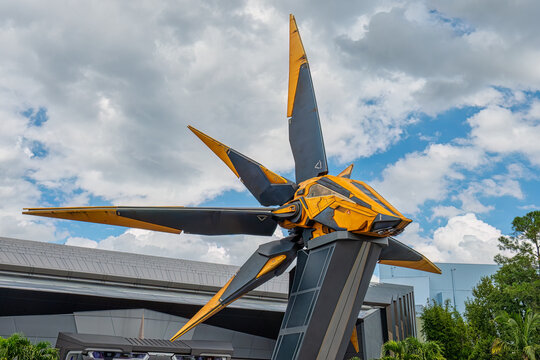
341,235
373,335
7,326
396,250
277,247
287,347
44,325
258,184
300,265
383,221
326,217
371,195
361,202
302,307
207,332
246,277
206,221
92,324
314,267
305,134
126,326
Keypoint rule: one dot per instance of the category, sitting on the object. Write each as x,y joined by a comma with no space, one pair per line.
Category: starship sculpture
338,229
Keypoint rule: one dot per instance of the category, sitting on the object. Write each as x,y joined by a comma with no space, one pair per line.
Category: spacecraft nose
388,224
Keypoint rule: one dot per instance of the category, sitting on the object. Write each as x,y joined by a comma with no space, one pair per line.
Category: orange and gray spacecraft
339,228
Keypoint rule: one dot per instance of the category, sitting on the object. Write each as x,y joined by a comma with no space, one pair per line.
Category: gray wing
305,133
204,221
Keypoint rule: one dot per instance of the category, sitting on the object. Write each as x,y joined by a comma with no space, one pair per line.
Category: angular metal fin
399,254
270,260
102,215
212,307
297,58
347,172
305,134
204,221
268,187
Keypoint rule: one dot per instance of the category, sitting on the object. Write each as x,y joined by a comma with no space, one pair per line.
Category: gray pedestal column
330,283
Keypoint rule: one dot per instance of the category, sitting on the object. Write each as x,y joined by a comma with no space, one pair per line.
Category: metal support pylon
330,282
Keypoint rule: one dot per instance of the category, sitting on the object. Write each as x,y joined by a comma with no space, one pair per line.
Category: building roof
41,266
87,263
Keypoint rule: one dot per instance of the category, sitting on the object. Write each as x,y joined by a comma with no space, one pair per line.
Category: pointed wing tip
37,211
399,254
428,266
180,332
436,269
203,136
198,133
212,306
195,130
297,57
422,265
346,173
293,27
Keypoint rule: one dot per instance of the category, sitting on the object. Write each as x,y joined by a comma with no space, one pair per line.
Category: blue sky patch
35,118
38,149
459,26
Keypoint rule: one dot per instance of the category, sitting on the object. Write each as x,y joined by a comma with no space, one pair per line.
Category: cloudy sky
436,103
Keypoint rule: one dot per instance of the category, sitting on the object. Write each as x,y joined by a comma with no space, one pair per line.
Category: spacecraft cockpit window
317,190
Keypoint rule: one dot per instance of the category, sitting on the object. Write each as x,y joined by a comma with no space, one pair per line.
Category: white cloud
499,185
219,249
465,239
82,242
445,211
458,56
530,207
469,202
499,130
423,176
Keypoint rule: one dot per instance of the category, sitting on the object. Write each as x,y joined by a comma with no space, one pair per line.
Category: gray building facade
50,288
455,283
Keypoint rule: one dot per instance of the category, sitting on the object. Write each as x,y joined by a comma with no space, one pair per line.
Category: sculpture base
329,286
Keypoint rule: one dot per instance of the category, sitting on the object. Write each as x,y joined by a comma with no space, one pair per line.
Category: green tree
14,347
526,239
446,326
519,335
411,349
18,347
514,288
43,351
